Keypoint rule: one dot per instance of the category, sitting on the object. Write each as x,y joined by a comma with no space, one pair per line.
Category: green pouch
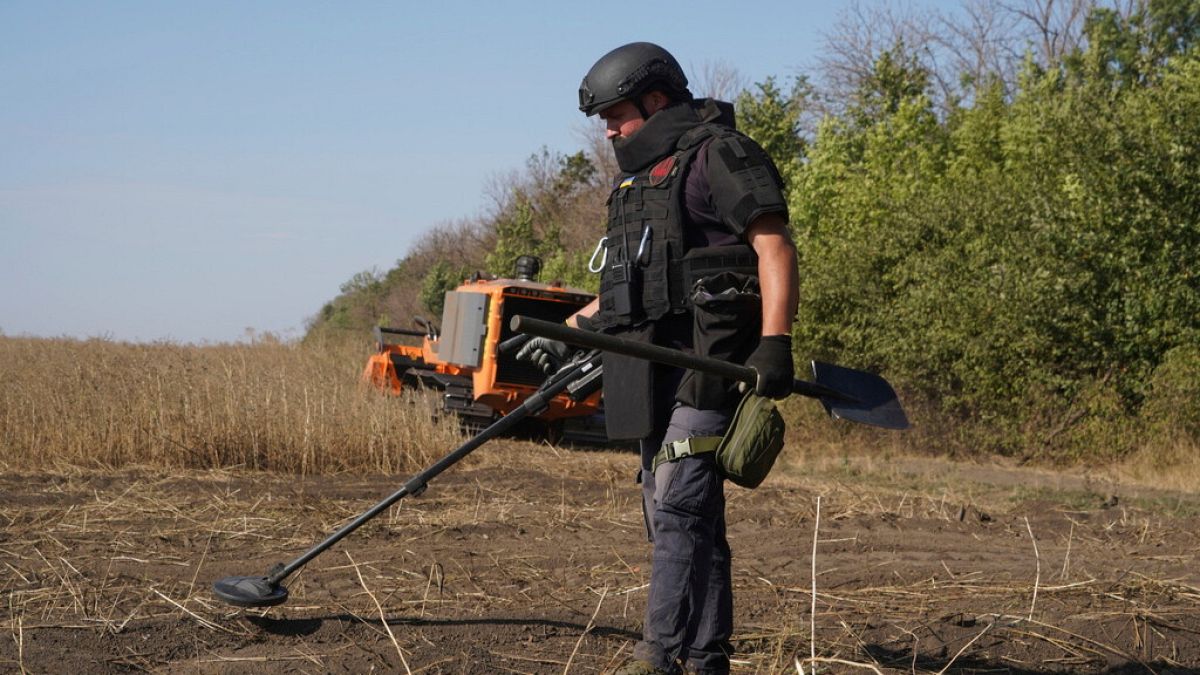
747,451
755,436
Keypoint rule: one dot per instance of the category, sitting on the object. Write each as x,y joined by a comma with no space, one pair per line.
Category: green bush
1040,244
1172,407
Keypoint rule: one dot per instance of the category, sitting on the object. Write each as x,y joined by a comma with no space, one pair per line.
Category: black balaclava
659,135
656,139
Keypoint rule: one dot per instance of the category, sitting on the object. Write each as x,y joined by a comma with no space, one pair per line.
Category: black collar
659,136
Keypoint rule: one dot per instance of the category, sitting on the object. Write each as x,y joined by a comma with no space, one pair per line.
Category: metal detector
580,379
846,393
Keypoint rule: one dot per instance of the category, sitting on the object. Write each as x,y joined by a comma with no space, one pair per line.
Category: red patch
662,170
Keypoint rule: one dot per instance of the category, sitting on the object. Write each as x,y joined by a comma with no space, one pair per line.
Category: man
697,256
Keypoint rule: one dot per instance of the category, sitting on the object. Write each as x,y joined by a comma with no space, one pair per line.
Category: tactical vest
648,271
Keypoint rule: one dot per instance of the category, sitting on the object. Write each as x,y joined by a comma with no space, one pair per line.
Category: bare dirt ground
529,559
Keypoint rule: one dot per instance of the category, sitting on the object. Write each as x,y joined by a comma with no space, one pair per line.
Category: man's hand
548,355
772,360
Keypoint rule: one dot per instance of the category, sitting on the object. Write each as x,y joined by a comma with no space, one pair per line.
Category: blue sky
188,170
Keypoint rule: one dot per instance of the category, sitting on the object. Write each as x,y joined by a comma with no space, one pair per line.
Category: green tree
575,171
442,276
515,236
772,118
896,78
1131,49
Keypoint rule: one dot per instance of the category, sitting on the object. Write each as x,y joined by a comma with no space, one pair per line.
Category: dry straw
264,405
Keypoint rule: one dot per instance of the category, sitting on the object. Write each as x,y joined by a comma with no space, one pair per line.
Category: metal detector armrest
590,382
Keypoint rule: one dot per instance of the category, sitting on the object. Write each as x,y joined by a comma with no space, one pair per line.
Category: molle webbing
705,262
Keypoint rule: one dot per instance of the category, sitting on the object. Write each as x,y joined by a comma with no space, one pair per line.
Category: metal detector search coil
250,592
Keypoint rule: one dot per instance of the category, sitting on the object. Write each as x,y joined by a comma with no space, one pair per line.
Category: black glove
548,355
772,360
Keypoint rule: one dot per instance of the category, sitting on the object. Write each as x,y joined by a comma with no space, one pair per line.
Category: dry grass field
133,476
268,406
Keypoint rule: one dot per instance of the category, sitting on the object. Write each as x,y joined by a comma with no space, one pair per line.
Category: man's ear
655,100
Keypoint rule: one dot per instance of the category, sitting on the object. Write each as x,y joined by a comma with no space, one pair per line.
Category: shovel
854,395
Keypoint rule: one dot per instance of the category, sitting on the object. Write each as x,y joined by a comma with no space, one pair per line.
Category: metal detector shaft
670,357
416,485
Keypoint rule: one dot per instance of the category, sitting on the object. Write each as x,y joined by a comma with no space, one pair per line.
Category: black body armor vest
648,272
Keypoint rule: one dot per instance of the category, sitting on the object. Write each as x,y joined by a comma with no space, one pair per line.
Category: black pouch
625,289
726,323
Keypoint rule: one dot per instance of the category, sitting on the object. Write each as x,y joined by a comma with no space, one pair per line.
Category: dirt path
532,560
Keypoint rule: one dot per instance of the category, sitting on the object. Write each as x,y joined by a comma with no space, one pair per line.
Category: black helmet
629,71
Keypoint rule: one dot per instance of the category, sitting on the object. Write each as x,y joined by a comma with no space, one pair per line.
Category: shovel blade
876,402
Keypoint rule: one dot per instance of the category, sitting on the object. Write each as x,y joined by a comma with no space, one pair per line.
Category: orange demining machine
478,379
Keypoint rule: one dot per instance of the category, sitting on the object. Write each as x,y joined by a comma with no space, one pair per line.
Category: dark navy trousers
689,611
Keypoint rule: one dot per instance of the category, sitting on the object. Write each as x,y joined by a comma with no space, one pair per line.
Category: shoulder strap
699,134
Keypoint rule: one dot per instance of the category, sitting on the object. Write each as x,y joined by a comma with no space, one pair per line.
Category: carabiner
642,246
592,262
